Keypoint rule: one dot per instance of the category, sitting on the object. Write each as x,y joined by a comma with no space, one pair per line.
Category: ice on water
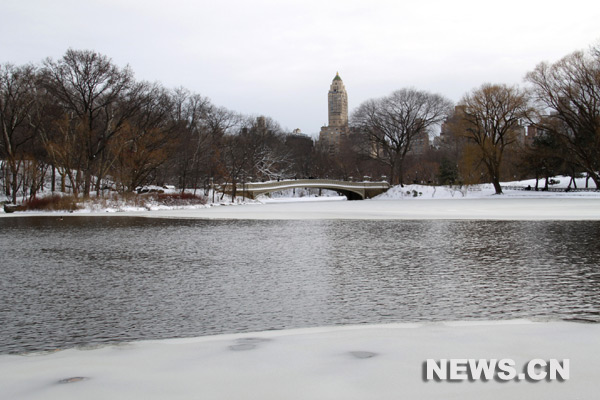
352,362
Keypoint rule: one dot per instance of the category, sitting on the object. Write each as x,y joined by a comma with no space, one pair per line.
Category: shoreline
481,208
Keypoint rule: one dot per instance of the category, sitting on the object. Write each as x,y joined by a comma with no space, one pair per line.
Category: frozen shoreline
348,362
419,209
410,202
487,208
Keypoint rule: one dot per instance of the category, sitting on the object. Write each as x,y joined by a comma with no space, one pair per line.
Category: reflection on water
90,280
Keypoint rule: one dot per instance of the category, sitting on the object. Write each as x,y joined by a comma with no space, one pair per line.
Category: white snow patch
483,208
486,190
358,362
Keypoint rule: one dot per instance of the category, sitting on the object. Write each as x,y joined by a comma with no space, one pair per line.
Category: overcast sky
277,58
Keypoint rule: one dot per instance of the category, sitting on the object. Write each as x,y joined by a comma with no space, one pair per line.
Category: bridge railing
354,190
311,183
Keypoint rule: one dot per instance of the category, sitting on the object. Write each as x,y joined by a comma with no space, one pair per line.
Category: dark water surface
93,280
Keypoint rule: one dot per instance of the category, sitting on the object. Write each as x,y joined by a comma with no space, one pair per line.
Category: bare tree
569,93
268,158
63,139
300,149
235,155
201,127
392,123
17,99
492,116
188,112
144,143
99,95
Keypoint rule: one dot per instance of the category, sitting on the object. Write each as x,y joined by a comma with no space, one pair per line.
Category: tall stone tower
338,103
337,100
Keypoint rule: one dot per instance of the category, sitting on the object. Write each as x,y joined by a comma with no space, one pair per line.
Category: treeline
550,127
496,132
91,126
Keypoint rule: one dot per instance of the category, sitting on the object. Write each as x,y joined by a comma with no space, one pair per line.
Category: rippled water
90,280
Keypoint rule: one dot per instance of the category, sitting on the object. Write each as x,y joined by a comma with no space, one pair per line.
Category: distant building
332,135
298,132
419,143
452,130
521,134
299,139
532,133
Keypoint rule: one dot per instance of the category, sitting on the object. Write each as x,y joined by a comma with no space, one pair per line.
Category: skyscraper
338,103
337,99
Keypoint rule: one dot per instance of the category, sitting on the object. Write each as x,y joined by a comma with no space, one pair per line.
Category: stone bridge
352,190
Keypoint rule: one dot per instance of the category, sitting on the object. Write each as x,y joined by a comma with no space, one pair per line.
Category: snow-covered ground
493,208
355,362
414,192
551,207
408,202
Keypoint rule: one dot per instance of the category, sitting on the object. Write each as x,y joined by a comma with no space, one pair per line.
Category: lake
87,281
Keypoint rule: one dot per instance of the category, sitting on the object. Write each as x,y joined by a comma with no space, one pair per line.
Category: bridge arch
352,190
349,193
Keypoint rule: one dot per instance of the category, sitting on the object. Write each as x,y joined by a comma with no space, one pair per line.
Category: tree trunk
497,186
233,190
99,191
400,174
183,180
77,184
587,180
53,185
14,183
87,186
493,168
6,179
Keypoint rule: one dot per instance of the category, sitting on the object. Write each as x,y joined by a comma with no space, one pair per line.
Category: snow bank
421,192
493,208
408,202
414,192
485,208
559,182
359,362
